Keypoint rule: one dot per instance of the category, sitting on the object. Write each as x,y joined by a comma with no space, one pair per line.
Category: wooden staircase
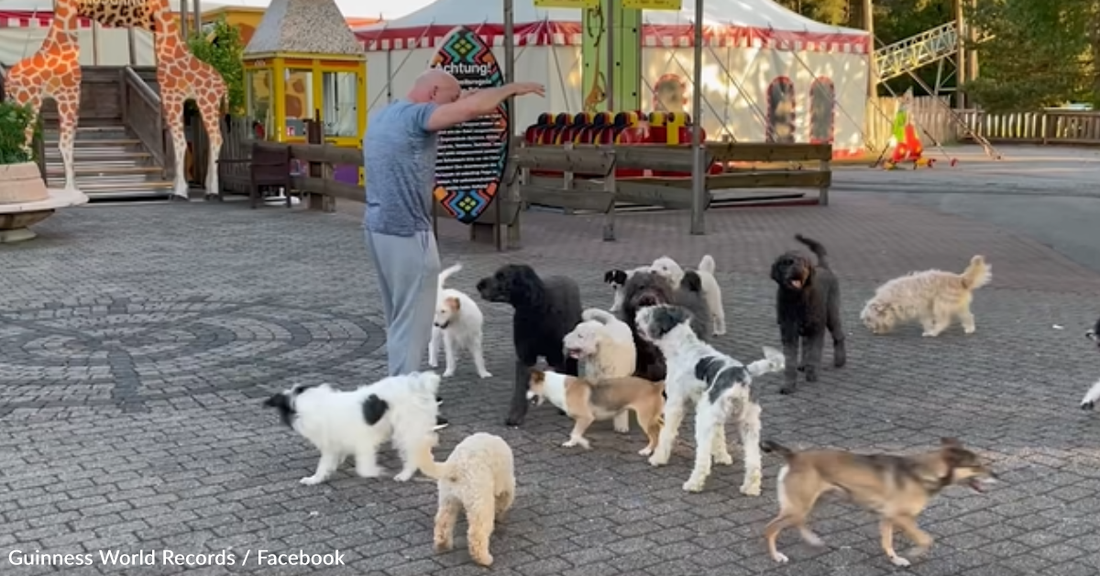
119,151
110,164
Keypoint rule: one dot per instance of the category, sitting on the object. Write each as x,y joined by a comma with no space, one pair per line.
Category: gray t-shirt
399,162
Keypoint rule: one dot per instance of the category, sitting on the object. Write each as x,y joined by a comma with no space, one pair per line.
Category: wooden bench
268,166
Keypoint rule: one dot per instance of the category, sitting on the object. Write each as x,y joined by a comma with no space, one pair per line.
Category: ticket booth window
341,112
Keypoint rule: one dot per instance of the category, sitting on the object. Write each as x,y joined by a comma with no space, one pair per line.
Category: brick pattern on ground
137,344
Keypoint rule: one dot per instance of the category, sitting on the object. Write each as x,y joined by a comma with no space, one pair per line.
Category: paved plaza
138,342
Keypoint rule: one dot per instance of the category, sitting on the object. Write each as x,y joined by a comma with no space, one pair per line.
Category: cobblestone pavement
136,344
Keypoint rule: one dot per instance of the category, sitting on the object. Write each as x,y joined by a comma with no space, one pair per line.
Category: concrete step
124,190
99,154
97,169
104,142
115,132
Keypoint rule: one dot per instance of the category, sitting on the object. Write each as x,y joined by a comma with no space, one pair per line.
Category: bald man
399,152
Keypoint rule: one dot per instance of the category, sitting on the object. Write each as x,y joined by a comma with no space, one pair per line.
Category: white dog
717,384
712,293
401,409
1093,395
617,279
458,322
604,346
933,297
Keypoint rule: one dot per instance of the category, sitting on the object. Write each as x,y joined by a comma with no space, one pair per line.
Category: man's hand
524,88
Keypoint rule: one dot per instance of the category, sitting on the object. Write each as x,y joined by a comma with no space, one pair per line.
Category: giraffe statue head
136,14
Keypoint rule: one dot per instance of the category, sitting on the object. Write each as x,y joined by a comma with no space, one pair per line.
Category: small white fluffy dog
401,409
934,297
458,323
604,347
712,293
478,477
717,384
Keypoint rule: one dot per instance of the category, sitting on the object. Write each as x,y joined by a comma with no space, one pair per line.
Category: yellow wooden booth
307,68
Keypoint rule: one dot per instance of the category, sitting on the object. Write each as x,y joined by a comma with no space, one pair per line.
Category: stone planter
25,201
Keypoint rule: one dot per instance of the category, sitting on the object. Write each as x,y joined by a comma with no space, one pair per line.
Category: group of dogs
649,354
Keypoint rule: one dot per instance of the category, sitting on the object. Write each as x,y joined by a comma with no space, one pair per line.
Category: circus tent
759,58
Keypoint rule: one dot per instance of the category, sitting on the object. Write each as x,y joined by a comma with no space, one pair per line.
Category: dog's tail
773,361
602,316
977,274
816,248
707,264
770,446
427,464
1091,397
447,274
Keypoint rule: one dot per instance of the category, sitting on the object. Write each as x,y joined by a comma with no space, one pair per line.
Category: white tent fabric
761,62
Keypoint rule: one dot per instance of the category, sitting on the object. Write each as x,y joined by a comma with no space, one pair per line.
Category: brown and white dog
896,487
586,402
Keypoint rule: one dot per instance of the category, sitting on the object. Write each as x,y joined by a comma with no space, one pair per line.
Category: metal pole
198,17
183,20
95,43
872,78
612,65
509,77
698,169
960,55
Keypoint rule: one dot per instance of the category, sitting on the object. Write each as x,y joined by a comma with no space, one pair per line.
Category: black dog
1094,334
807,302
650,289
546,310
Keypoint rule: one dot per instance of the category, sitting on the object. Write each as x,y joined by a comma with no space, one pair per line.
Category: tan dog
478,478
586,402
896,487
934,297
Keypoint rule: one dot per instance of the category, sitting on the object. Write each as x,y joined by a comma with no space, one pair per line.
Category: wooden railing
1068,127
141,113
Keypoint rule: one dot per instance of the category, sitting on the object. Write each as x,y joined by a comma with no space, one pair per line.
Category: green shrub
14,119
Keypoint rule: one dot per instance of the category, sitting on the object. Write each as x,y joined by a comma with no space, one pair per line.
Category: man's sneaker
440,423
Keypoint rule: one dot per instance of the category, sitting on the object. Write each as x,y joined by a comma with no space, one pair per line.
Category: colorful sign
470,163
581,4
674,5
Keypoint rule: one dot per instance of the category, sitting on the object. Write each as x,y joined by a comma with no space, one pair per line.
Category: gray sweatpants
408,278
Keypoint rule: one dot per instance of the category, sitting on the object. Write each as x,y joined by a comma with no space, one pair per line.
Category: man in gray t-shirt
399,152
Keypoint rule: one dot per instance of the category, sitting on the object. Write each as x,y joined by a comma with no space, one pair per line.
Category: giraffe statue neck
167,40
63,28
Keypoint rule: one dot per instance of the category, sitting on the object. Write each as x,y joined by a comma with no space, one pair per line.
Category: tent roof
728,22
304,26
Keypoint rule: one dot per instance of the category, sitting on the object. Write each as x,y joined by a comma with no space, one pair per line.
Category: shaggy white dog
478,477
712,293
401,409
458,323
934,297
717,384
604,347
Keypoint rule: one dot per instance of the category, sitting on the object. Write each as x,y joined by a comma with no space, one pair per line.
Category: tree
221,47
835,12
1042,53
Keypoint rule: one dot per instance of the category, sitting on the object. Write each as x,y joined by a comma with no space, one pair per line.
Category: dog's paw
485,374
448,373
657,460
751,488
926,334
312,480
433,362
1089,405
514,421
368,472
405,475
645,451
583,443
900,562
694,484
811,374
724,459
788,389
624,429
780,558
813,539
485,559
970,329
443,546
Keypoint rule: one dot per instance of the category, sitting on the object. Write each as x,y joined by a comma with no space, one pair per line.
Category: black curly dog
644,289
1094,334
546,309
807,302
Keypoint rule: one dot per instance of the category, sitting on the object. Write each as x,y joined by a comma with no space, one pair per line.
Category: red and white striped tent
759,58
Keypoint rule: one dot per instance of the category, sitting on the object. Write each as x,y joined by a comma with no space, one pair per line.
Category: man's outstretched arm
478,104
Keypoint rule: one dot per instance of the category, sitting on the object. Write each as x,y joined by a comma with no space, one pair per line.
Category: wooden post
823,192
872,78
698,165
609,187
961,76
315,135
512,239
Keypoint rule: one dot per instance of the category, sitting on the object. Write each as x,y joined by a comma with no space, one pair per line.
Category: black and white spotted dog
616,279
1093,395
718,385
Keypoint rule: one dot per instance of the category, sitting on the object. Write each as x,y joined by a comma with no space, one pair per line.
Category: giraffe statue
182,76
53,72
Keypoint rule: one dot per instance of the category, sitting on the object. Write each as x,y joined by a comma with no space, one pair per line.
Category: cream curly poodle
478,476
